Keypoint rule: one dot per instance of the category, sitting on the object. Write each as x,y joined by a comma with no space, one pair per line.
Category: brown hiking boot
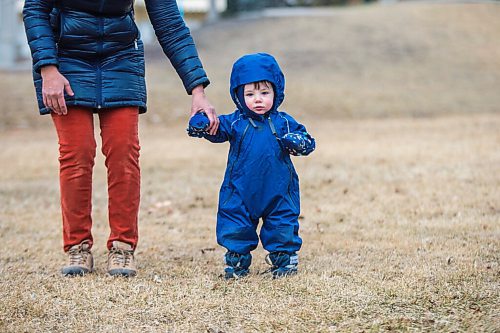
121,260
80,258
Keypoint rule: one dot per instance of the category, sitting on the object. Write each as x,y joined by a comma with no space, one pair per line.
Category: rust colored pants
77,149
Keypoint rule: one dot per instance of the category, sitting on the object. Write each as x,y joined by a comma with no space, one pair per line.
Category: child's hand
295,143
200,103
198,125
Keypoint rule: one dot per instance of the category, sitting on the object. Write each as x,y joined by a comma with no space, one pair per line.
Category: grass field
400,202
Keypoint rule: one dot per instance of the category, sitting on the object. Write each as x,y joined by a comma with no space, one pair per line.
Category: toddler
260,181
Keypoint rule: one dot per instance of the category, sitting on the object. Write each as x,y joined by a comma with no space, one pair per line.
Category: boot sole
122,272
75,271
279,275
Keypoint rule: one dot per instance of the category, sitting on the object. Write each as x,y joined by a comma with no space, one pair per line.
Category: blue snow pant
237,227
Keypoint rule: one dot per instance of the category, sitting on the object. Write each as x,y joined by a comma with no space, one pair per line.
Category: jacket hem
142,106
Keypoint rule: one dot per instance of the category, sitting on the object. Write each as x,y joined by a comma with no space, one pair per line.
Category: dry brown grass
401,215
400,226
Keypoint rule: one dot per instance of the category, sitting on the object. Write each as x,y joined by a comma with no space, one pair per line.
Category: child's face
259,96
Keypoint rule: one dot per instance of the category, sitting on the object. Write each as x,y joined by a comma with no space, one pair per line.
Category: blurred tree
213,13
238,6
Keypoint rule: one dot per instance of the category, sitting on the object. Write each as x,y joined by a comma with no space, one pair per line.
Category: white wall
197,6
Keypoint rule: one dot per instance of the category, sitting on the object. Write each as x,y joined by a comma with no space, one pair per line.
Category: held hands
298,144
198,125
200,104
54,84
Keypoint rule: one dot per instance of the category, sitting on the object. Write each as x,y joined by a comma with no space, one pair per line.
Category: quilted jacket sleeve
177,43
41,40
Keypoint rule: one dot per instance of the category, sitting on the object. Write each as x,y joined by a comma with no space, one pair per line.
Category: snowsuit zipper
273,130
235,160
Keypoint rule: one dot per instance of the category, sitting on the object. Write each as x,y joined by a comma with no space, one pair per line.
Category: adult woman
88,58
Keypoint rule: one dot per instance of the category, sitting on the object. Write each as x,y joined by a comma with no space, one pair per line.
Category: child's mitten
298,143
198,125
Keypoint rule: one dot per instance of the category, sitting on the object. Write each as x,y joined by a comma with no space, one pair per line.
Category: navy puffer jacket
97,47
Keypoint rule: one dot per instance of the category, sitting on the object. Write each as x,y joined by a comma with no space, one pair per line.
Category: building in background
195,12
13,45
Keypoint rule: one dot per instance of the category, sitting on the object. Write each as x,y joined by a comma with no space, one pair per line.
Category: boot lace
121,257
78,255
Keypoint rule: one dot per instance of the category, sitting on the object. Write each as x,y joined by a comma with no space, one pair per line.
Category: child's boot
282,263
237,265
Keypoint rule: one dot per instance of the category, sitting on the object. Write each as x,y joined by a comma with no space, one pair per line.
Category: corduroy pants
77,149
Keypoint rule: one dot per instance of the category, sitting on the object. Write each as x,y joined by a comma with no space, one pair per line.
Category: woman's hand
53,86
201,103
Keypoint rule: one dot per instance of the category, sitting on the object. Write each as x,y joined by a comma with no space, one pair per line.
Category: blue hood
257,67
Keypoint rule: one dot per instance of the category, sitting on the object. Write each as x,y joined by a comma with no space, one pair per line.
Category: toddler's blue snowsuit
260,180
